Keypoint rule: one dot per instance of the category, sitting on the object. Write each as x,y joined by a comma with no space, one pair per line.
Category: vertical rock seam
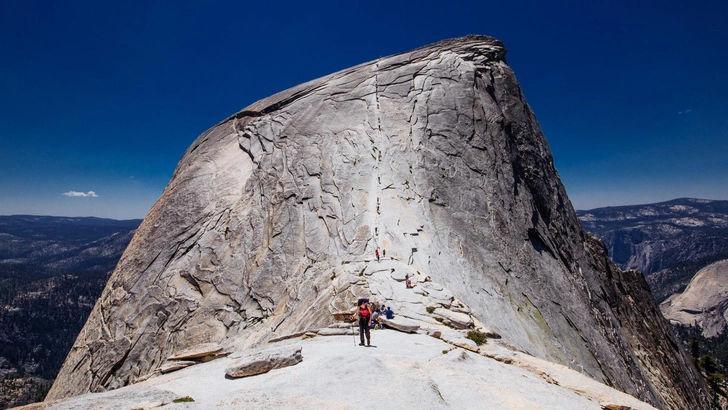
272,218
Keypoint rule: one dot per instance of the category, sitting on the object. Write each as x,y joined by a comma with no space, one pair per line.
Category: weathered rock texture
264,360
704,302
270,223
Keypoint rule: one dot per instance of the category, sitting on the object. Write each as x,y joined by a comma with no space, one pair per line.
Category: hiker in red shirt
364,311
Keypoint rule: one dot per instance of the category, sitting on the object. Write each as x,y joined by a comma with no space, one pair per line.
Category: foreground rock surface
704,302
271,220
415,371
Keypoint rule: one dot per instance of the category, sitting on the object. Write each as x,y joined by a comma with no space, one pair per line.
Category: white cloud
82,194
689,110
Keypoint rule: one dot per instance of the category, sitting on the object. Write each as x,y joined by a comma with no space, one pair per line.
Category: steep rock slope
271,220
704,302
668,241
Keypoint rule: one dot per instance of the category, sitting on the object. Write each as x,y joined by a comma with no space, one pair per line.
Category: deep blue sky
106,96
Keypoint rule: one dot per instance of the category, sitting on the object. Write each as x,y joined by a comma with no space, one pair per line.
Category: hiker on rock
364,311
375,320
376,253
389,313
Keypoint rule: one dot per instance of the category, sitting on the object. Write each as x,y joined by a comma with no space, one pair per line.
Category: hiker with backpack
364,312
376,324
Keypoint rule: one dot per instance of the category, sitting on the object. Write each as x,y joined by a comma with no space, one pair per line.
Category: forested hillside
52,270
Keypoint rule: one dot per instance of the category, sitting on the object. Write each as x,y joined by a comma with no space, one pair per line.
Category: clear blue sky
106,96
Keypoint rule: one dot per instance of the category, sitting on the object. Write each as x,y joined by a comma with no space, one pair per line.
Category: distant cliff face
705,301
669,241
270,223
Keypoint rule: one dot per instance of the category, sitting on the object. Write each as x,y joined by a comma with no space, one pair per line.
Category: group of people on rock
369,314
369,318
380,312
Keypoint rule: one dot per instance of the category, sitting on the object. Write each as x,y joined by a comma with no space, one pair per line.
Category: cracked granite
272,217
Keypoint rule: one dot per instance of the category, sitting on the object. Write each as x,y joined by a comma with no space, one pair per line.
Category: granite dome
272,217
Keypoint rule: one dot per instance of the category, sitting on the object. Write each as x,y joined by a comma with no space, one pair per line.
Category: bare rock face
704,302
270,223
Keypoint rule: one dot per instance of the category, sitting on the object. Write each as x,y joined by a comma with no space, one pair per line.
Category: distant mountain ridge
52,270
52,244
668,241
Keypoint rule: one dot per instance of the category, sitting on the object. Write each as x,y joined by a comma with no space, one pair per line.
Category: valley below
52,271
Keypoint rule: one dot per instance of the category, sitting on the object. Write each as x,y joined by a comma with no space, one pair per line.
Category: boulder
264,360
457,320
401,324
